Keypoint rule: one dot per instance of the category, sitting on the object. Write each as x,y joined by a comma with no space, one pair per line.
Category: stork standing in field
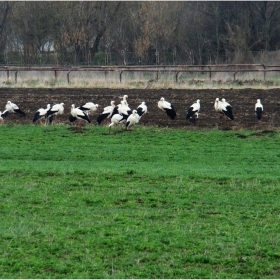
54,111
218,108
116,119
14,109
125,99
107,113
167,107
142,109
78,114
258,109
132,119
123,109
41,113
3,115
227,109
89,107
192,113
120,114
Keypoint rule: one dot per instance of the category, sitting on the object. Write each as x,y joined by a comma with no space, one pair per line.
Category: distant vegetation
139,32
149,203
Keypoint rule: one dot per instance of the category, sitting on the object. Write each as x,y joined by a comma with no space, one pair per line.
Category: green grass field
148,203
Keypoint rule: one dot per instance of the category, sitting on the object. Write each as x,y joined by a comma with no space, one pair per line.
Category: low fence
140,76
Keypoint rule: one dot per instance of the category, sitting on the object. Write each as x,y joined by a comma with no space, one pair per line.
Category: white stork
107,113
258,109
123,109
142,109
125,99
55,110
78,114
41,113
132,119
89,107
218,108
167,107
227,109
192,113
116,119
14,109
3,115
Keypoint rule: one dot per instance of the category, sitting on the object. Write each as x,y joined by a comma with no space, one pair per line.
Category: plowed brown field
242,101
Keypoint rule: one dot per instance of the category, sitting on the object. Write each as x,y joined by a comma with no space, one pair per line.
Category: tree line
141,32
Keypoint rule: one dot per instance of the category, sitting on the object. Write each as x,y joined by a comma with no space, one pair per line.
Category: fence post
121,76
210,73
176,77
68,76
16,76
264,72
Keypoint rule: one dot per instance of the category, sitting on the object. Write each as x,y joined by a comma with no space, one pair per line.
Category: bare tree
76,31
31,29
194,33
265,24
158,21
5,8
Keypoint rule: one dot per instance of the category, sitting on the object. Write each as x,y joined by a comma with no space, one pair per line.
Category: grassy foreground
150,203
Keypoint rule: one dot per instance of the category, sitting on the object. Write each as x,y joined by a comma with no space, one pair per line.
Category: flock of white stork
223,108
118,114
121,113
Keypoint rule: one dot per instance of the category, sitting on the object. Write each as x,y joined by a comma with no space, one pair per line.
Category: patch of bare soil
242,101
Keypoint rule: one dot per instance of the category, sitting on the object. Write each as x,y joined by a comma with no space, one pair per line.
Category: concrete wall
121,77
